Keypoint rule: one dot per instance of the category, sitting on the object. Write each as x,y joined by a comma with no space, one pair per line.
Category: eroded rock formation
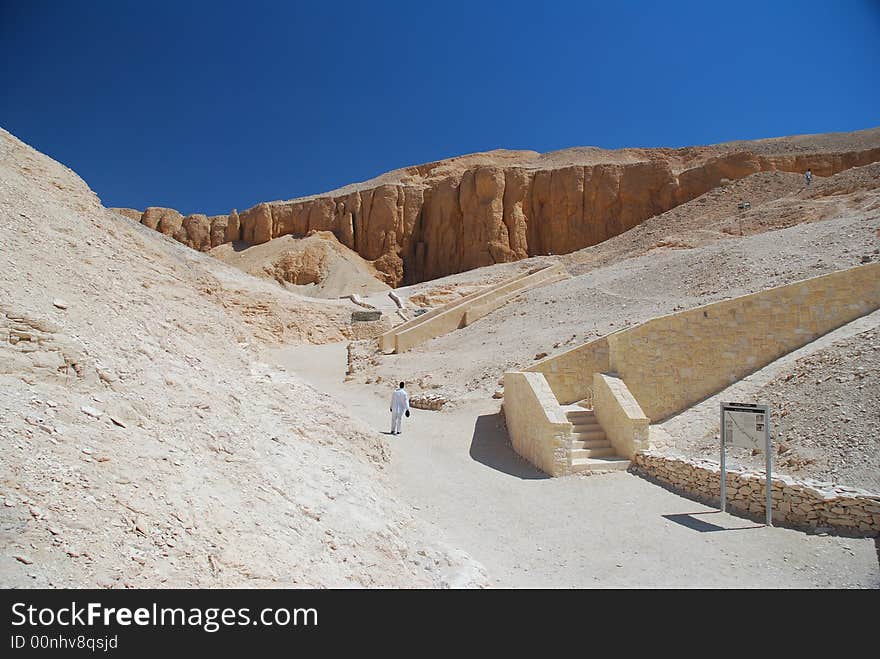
441,218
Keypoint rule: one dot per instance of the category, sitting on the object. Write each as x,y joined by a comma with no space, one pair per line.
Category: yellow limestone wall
499,298
537,427
673,361
670,363
620,415
454,315
386,341
570,374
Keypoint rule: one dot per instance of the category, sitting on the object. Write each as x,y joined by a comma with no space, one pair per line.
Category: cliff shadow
490,446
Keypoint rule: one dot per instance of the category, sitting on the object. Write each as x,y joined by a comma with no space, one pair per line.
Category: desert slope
317,265
145,443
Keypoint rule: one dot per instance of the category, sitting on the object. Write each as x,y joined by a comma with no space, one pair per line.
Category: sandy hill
428,221
145,441
317,265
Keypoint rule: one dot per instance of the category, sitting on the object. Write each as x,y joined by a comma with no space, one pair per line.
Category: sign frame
756,409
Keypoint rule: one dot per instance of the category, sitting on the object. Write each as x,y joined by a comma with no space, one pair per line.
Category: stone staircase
590,449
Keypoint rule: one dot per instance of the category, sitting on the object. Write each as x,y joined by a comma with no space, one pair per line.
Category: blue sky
206,106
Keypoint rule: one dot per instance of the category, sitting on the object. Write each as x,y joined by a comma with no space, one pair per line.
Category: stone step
581,453
598,465
580,414
590,443
585,436
585,427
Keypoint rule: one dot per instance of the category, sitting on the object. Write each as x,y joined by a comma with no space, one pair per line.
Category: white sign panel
746,429
746,425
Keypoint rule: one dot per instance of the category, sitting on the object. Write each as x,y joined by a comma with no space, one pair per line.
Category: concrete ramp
464,311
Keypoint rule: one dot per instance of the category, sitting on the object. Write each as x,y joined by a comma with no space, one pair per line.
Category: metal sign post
746,425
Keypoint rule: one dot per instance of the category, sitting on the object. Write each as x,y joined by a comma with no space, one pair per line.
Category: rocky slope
777,200
317,265
837,436
432,220
144,440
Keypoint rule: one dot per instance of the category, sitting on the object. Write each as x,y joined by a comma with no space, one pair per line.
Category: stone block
365,316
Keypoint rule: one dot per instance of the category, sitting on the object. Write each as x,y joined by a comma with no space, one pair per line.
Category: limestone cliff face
432,220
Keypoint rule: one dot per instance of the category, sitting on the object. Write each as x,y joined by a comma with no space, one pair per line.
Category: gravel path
457,469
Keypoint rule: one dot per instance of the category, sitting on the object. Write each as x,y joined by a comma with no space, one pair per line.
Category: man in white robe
399,407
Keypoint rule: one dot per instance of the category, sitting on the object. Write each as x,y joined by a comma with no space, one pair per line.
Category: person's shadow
491,447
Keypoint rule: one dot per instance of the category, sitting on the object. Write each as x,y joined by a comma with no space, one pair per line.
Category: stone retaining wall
537,427
369,329
805,505
468,309
673,361
620,416
570,374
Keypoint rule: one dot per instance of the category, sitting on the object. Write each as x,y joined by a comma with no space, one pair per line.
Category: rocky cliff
441,218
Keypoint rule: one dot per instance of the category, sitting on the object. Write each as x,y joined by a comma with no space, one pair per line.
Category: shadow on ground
691,521
491,447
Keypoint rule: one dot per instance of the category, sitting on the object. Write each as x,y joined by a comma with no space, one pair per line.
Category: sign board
746,425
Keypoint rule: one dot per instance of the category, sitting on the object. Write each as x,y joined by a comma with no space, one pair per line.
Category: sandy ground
458,470
142,441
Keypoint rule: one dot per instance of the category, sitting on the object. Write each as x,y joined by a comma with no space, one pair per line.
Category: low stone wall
427,401
620,416
457,316
504,294
369,329
538,429
798,504
387,340
465,310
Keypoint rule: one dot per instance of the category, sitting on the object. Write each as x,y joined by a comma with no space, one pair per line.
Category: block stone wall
799,504
620,415
570,374
538,430
671,362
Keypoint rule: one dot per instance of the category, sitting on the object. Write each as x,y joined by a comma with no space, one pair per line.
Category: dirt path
617,530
